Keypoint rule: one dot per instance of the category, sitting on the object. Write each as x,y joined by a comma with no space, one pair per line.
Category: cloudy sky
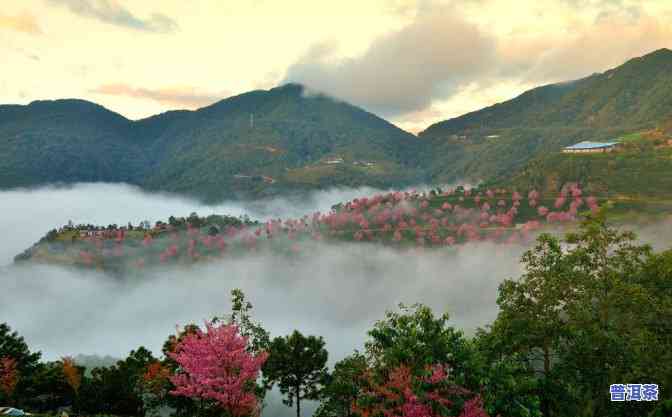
413,62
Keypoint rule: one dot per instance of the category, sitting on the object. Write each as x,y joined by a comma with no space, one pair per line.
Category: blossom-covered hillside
403,219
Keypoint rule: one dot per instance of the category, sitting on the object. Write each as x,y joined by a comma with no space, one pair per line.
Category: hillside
266,142
438,219
255,144
287,140
66,141
636,178
502,138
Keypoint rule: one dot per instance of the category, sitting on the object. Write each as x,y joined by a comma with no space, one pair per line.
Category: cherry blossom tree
401,393
215,365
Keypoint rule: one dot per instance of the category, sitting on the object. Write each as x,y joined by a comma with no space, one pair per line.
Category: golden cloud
183,97
24,23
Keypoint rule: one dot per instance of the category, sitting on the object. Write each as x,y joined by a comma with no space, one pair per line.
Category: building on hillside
333,160
591,147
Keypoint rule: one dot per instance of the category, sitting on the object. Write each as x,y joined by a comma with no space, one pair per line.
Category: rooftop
592,145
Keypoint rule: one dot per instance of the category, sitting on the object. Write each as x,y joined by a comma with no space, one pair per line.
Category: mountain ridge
261,142
290,139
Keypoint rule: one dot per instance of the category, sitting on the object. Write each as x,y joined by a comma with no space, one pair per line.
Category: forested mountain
257,143
501,139
288,139
66,141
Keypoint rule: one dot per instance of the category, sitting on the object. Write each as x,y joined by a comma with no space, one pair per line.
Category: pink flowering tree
401,393
215,365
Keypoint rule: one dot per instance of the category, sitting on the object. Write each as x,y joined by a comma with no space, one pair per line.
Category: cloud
334,290
439,54
24,23
111,12
405,70
587,49
186,97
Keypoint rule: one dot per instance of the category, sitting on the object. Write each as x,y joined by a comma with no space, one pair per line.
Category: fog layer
335,290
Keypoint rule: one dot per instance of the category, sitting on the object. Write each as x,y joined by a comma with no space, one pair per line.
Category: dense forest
589,317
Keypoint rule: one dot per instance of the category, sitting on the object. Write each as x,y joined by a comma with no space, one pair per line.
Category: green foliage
114,389
13,345
507,386
298,365
590,311
343,387
633,179
414,337
259,339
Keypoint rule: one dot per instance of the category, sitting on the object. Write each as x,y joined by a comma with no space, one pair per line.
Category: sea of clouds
336,290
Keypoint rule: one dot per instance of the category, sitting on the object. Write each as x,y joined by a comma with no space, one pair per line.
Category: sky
412,62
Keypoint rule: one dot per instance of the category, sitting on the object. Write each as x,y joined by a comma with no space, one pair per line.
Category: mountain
65,141
278,140
287,139
255,144
502,138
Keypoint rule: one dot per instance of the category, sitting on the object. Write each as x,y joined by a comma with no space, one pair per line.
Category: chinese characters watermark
634,392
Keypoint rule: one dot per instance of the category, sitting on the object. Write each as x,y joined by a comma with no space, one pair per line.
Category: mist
27,214
337,291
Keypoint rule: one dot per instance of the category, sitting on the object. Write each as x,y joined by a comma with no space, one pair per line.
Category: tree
298,365
343,387
531,314
509,387
594,305
414,337
154,386
14,346
216,365
115,389
401,392
73,376
46,389
9,376
26,362
258,338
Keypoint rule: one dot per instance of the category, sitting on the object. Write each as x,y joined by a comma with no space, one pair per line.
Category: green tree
12,345
343,387
414,337
508,385
298,365
589,311
259,339
115,389
531,315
